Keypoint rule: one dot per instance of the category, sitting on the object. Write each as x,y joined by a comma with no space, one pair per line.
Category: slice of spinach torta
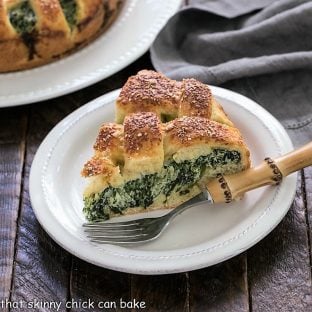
175,136
144,164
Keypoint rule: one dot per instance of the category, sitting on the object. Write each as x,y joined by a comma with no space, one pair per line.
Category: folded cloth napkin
260,48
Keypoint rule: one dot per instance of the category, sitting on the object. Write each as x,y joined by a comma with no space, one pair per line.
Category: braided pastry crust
35,32
150,91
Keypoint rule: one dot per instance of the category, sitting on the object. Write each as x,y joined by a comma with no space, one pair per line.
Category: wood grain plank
42,268
162,293
278,266
222,287
12,147
103,288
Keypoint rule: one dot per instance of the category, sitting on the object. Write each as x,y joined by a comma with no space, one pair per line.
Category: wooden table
274,275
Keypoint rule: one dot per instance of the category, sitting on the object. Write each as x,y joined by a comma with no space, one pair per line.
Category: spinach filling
69,8
174,177
23,18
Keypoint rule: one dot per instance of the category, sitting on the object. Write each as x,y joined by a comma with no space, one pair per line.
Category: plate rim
163,267
141,46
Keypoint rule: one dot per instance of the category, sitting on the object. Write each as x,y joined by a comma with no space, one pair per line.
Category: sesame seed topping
149,88
96,165
108,136
196,99
154,92
186,129
136,124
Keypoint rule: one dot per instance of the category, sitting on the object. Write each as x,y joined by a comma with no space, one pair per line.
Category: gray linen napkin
260,48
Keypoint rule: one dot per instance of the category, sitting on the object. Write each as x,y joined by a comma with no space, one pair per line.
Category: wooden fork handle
229,187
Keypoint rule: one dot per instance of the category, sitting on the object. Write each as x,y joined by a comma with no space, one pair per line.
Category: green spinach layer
69,8
174,177
23,18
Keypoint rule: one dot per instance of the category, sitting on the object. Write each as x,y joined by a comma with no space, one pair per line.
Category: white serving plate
198,238
127,39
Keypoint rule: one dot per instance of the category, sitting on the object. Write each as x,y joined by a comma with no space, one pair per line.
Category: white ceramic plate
127,39
198,238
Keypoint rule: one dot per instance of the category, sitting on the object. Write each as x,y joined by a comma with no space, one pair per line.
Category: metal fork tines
135,231
125,232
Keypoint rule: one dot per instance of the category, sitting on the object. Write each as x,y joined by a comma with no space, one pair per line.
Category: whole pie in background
35,32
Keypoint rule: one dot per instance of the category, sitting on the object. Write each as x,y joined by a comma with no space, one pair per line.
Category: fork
222,189
139,230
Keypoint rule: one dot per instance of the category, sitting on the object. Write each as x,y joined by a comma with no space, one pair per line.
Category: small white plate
199,237
127,39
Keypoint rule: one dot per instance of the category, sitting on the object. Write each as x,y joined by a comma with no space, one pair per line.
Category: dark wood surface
274,275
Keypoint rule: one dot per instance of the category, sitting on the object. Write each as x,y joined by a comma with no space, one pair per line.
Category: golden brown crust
146,142
196,99
6,32
186,130
136,143
51,12
149,91
169,99
143,142
142,133
108,137
91,16
97,165
53,36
